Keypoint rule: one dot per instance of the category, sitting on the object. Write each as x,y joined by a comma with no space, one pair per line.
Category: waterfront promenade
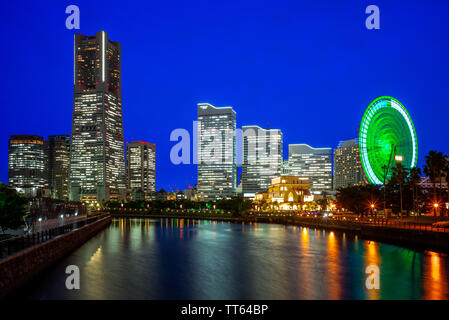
40,226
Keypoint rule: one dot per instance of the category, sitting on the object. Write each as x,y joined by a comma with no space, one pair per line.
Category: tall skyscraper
348,169
217,171
97,151
57,148
315,163
262,158
27,164
141,166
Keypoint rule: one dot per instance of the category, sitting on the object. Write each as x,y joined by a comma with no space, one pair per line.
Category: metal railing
357,221
15,245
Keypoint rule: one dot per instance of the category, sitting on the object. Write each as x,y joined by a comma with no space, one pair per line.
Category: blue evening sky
309,68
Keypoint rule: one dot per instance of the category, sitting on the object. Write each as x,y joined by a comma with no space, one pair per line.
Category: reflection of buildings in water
94,269
422,275
334,268
343,241
96,257
256,228
181,229
372,258
434,278
356,242
307,270
122,232
372,253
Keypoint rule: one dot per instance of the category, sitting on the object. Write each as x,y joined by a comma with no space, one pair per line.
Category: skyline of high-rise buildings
262,157
97,152
90,163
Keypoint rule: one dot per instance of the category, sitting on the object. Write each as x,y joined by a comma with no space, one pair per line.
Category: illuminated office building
97,151
217,171
262,158
348,169
141,167
57,149
285,169
315,163
27,164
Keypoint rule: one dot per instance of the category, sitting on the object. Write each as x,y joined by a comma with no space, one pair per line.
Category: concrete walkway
39,226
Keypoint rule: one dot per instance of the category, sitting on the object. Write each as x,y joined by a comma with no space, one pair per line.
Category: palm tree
435,163
446,172
399,176
413,179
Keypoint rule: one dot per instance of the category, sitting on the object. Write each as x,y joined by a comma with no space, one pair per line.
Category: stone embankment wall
21,267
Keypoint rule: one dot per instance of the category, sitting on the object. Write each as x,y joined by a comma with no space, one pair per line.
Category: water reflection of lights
307,278
122,232
306,264
334,279
181,228
372,257
96,258
435,282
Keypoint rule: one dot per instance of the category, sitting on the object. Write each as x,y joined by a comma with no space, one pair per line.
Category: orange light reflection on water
434,280
306,272
372,257
334,273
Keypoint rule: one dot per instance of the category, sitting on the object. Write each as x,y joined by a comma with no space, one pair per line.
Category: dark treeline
234,207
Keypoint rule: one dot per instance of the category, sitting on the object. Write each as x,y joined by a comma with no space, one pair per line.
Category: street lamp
435,208
399,159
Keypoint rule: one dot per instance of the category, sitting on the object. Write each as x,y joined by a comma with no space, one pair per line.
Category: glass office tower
348,169
57,149
315,163
217,171
97,151
141,166
27,164
262,158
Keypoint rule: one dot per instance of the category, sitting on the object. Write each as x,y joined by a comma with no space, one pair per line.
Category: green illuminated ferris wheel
386,133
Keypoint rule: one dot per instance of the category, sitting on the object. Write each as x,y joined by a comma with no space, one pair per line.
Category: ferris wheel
386,133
